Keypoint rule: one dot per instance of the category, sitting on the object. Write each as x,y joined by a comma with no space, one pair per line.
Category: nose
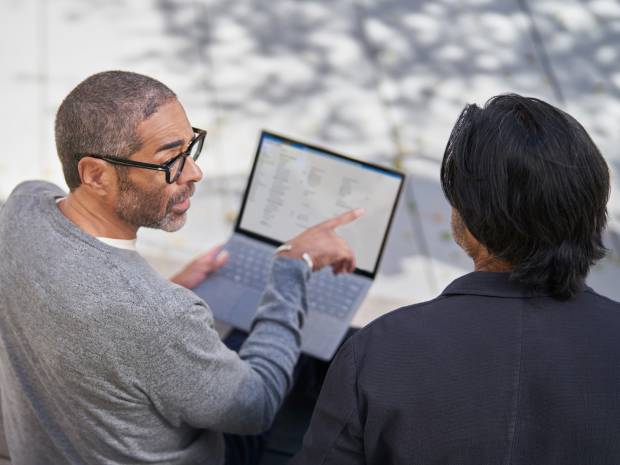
191,172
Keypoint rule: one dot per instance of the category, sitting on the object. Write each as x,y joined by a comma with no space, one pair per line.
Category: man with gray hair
101,359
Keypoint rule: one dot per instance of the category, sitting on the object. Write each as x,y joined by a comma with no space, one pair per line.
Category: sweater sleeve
336,434
195,380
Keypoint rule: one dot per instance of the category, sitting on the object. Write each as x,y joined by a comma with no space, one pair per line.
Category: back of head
532,187
101,117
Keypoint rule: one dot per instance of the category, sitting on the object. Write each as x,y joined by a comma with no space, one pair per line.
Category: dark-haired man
517,362
102,360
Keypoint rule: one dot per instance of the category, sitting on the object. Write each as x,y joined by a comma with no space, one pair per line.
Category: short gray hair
101,117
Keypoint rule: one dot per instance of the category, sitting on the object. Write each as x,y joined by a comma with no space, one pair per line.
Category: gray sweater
104,361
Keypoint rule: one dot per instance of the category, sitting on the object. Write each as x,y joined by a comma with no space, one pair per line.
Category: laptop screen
294,186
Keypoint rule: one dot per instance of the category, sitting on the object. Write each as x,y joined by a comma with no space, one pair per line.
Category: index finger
344,218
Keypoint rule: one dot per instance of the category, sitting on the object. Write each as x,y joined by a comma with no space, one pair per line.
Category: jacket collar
492,284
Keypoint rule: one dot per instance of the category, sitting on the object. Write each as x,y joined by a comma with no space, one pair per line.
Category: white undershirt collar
127,244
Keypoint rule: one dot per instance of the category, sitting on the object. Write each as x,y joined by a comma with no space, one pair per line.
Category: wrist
286,250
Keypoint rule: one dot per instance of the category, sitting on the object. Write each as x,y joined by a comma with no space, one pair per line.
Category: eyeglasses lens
175,170
194,152
196,149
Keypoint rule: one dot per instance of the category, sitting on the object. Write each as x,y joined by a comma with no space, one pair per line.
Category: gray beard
143,208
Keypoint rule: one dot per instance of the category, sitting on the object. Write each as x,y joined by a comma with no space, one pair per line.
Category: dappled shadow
379,80
385,80
348,73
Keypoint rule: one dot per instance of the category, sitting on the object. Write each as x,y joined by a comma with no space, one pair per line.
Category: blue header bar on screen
329,155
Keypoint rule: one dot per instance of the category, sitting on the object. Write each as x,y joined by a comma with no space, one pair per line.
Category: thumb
221,257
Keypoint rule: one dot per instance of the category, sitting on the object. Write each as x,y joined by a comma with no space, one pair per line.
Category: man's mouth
182,205
178,204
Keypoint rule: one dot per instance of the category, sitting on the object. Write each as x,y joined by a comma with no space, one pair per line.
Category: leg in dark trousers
308,377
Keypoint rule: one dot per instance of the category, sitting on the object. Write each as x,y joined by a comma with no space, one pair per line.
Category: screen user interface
295,187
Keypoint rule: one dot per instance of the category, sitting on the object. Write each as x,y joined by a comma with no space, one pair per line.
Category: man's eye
170,159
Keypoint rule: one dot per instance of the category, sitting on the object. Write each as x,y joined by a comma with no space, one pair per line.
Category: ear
98,176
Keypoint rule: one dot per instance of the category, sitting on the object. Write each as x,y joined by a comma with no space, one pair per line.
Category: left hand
198,269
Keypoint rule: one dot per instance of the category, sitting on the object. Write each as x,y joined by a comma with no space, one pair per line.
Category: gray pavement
380,80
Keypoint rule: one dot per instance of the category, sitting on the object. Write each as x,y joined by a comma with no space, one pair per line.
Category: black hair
101,116
532,187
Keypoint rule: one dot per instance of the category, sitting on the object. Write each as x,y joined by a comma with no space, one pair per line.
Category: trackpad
244,310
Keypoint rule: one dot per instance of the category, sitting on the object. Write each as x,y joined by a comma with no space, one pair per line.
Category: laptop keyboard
249,264
332,294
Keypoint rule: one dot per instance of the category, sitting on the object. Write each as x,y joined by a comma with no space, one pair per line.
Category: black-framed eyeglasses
172,169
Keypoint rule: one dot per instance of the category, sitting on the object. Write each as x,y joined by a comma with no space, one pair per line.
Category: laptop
293,186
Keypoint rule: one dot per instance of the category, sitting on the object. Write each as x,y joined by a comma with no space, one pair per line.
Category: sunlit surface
381,80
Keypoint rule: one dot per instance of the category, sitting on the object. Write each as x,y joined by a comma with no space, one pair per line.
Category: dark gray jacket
484,374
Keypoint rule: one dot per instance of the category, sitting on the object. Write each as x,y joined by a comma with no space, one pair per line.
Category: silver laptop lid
294,186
